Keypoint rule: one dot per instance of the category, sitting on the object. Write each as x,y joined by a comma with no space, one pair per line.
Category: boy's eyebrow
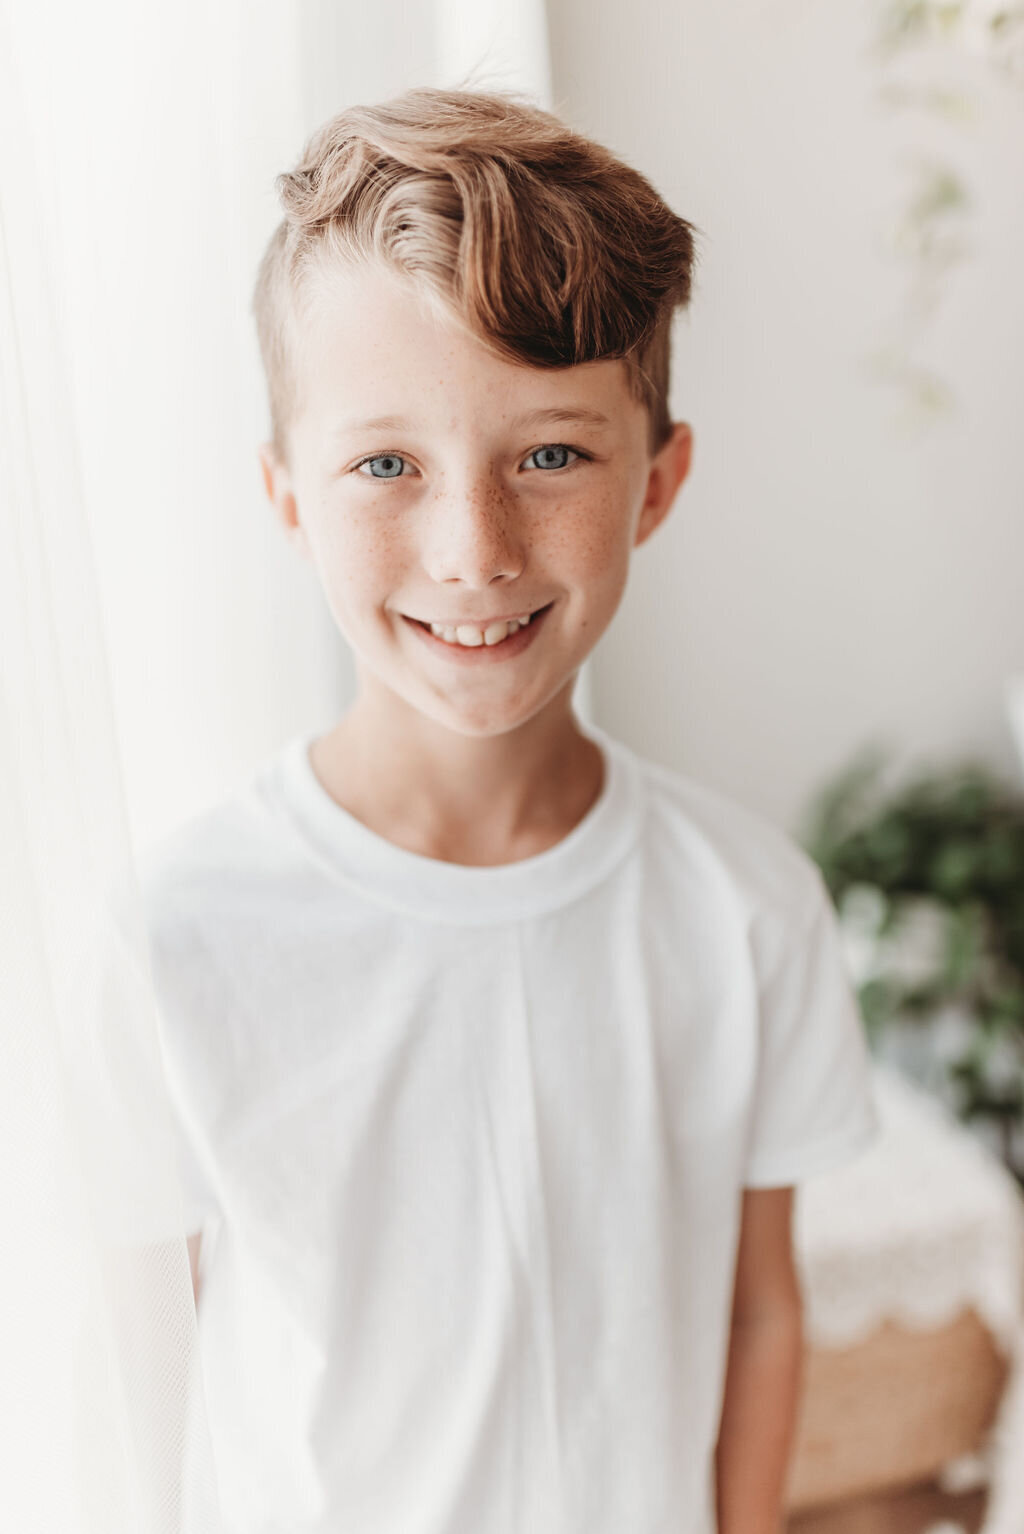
581,414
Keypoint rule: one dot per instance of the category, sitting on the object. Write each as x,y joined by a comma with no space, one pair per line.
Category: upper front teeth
469,634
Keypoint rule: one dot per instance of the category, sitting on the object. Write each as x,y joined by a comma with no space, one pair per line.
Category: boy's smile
471,518
485,642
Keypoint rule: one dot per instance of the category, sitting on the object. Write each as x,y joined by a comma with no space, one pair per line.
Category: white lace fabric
925,1224
921,1226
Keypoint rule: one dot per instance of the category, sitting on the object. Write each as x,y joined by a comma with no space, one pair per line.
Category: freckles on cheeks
592,537
370,549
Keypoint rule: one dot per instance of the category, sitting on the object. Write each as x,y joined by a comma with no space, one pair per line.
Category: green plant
949,845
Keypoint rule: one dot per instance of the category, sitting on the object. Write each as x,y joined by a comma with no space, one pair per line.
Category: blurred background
843,570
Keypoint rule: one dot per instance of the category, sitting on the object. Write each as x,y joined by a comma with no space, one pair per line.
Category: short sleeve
145,1165
813,1103
176,992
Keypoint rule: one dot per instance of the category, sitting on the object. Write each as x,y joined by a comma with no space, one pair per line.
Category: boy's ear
669,467
277,482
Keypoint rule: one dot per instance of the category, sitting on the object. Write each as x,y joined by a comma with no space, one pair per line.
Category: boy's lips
476,654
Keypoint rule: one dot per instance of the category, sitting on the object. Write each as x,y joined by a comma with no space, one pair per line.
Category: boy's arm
764,1370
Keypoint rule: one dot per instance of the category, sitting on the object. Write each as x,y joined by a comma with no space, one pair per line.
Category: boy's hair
549,249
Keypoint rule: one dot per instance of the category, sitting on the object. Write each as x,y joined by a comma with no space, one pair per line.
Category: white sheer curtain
154,640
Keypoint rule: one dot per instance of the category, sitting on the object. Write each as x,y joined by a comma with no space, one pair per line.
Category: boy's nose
473,537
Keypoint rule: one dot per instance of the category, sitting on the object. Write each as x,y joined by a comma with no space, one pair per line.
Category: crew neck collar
456,892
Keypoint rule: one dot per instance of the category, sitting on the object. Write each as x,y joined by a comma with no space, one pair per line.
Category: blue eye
553,455
392,466
556,448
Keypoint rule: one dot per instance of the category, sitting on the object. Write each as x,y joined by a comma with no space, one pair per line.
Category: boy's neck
479,801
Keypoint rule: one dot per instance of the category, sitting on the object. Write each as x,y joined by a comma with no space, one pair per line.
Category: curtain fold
97,1324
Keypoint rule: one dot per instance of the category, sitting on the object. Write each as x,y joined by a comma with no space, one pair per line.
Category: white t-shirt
470,1143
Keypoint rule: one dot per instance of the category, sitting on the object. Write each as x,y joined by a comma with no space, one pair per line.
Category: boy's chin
487,719
482,726
476,714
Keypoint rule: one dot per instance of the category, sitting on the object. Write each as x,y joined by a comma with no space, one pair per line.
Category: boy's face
432,482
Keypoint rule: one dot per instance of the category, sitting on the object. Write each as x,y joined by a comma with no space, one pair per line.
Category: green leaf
879,1001
954,868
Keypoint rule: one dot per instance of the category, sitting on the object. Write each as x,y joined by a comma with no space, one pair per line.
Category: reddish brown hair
541,242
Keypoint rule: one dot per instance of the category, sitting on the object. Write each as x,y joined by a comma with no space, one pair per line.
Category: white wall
826,576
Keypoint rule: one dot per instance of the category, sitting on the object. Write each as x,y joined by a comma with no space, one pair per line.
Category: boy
497,1049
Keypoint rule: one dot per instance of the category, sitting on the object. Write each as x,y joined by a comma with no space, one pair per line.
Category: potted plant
928,882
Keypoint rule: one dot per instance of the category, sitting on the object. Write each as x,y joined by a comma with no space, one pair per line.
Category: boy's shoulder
760,863
219,855
205,846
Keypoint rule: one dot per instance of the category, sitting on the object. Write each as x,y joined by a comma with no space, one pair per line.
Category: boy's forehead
372,346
